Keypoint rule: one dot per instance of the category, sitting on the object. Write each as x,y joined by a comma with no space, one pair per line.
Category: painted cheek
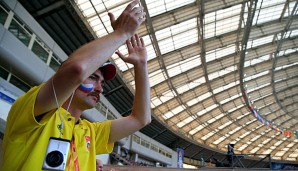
86,88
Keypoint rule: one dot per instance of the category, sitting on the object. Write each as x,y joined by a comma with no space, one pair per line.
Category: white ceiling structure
221,71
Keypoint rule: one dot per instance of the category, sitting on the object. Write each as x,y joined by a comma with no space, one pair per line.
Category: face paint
86,88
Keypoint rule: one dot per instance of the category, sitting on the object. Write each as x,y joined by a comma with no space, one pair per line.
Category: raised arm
88,58
141,112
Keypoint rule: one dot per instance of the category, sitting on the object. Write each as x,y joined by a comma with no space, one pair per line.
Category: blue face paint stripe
86,87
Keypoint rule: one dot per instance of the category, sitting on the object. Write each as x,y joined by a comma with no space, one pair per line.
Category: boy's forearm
92,55
141,107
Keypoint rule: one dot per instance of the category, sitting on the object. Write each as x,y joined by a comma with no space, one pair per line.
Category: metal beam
113,90
48,9
275,56
79,18
162,65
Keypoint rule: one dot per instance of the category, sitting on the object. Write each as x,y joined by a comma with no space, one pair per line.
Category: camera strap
73,156
61,126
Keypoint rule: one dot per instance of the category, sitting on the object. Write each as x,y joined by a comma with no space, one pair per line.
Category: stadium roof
221,71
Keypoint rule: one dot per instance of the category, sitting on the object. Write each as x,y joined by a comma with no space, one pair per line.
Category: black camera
56,154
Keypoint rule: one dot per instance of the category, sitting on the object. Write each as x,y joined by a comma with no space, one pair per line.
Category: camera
56,154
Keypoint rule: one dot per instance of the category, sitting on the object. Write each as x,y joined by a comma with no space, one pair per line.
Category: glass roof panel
183,66
99,6
260,41
270,11
287,51
228,12
256,60
219,140
293,155
220,52
235,130
184,122
285,66
173,112
290,9
254,150
207,136
191,85
225,87
248,78
172,4
199,99
156,77
222,72
209,108
230,99
155,101
222,26
225,125
165,96
195,130
157,7
177,36
242,147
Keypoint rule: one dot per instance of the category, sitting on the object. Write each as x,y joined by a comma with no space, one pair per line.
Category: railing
265,160
259,161
151,146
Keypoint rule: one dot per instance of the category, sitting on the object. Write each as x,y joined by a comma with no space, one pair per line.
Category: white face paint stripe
86,87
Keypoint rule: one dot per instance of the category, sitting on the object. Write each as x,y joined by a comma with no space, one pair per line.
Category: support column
135,157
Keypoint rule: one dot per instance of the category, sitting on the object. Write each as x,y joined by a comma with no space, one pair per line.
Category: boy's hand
130,19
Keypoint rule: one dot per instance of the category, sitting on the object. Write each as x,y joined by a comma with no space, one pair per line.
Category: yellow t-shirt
26,140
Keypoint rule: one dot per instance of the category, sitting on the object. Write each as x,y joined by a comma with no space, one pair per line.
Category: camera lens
54,158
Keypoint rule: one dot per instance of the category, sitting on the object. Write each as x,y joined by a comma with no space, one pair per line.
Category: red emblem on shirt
87,142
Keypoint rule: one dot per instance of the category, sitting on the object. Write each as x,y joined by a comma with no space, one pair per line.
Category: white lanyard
61,126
